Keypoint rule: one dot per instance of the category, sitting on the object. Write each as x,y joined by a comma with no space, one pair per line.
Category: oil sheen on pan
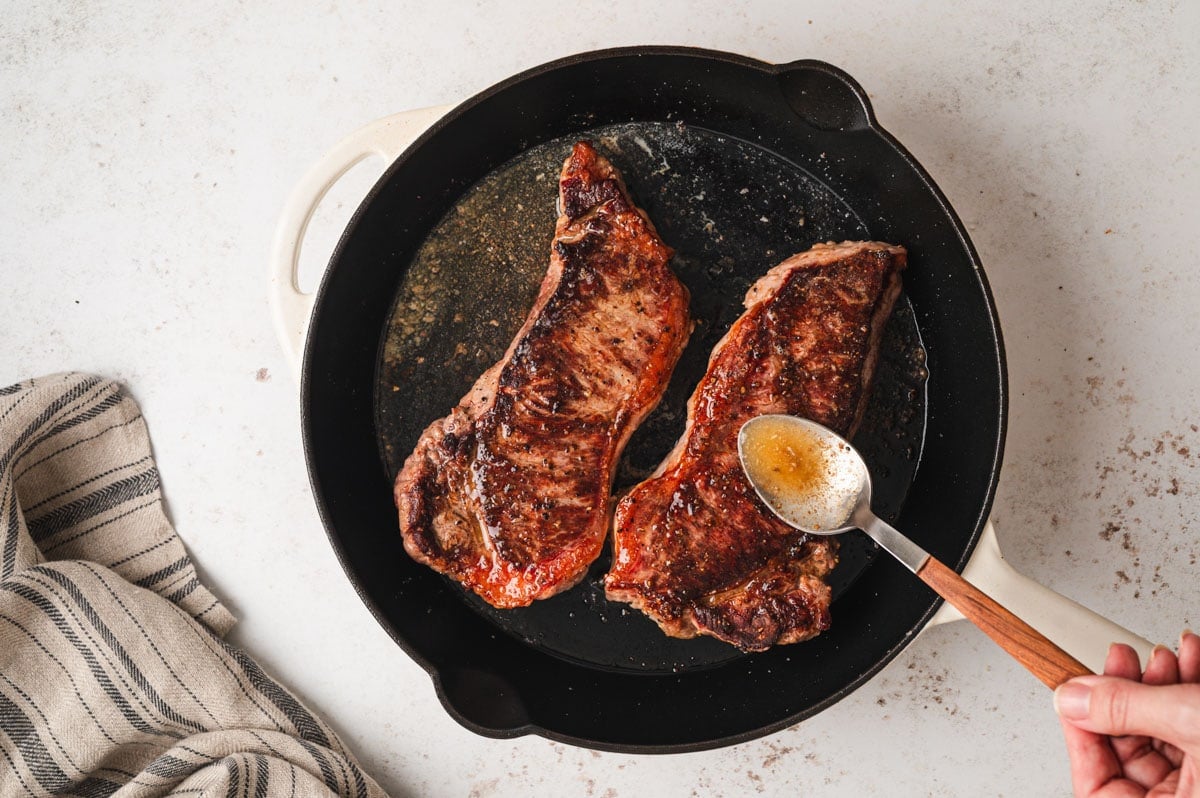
731,211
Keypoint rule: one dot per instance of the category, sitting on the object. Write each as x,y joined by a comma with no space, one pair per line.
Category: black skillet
739,163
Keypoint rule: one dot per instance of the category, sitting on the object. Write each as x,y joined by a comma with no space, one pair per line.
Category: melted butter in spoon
811,481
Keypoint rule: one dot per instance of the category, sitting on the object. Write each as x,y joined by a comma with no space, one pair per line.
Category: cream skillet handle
1080,632
387,138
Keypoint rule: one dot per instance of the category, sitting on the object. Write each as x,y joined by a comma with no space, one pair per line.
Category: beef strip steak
510,493
693,546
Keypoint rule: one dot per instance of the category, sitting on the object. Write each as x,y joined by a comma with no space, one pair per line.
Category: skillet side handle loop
1042,658
824,96
386,138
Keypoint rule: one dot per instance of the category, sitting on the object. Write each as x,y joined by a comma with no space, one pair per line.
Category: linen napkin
114,678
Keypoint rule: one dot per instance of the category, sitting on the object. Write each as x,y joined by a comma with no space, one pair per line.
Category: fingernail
1185,634
1154,652
1071,700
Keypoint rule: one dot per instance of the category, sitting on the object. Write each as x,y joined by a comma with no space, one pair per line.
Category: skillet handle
825,97
387,138
1042,658
1085,634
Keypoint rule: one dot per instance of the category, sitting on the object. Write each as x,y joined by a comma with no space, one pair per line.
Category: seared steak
509,494
693,546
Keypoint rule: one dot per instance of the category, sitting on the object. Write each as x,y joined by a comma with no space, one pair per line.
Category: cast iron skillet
739,163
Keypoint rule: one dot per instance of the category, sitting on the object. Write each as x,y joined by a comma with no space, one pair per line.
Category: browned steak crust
693,546
509,494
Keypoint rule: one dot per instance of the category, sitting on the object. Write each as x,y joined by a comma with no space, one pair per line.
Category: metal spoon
815,481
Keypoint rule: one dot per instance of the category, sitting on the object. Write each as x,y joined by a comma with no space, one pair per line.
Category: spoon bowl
807,474
817,482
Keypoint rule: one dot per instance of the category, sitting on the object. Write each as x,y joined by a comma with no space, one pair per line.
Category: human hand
1130,733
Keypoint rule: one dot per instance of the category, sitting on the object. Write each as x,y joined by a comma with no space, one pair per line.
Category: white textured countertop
149,148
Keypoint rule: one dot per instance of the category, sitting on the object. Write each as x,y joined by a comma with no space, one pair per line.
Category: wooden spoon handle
1042,658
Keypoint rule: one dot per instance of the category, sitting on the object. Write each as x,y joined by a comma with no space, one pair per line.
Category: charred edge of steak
786,601
588,182
580,197
419,491
883,311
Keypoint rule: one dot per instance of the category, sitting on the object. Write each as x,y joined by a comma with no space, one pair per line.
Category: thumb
1114,706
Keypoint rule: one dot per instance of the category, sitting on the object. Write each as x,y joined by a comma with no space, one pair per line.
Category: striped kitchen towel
114,678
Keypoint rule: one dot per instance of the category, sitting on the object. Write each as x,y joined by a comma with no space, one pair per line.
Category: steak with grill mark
510,493
693,546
